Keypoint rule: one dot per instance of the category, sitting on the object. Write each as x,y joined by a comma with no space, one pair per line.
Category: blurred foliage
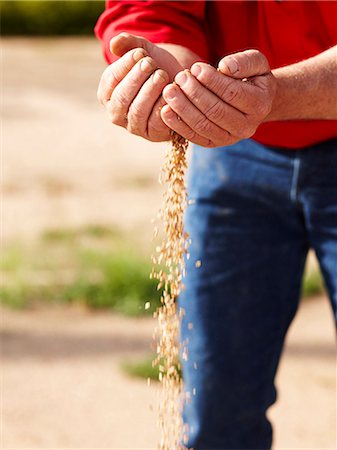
123,283
92,265
71,234
312,283
144,368
141,369
41,18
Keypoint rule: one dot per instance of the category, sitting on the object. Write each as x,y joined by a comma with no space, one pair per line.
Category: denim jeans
254,213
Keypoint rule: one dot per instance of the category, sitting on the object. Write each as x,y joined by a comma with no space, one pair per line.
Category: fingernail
232,65
160,76
195,70
180,78
138,54
169,94
147,65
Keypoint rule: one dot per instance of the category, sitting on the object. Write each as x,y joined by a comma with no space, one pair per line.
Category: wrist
278,99
306,90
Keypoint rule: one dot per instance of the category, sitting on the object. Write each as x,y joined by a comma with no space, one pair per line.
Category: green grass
142,368
71,234
12,259
92,265
122,283
312,283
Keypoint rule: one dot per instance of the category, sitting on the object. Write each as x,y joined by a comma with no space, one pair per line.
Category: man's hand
215,108
131,88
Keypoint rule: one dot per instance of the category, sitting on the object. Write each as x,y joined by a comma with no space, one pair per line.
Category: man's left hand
215,108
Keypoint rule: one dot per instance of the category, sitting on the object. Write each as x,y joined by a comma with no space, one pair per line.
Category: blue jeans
254,214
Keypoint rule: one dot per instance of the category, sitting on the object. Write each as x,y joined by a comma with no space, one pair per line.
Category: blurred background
78,196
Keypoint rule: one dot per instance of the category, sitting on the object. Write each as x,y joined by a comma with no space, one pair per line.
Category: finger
176,124
124,42
114,73
142,105
245,64
191,115
127,89
242,96
212,107
157,130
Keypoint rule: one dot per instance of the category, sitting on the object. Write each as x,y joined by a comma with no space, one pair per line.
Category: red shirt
285,31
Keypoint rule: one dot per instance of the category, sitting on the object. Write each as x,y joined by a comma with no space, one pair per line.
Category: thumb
249,63
124,42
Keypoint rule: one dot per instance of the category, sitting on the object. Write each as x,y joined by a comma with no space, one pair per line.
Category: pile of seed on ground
169,269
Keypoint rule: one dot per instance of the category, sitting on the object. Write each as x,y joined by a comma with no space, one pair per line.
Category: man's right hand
131,88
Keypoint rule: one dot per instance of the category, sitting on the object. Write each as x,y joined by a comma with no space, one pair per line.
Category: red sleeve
158,21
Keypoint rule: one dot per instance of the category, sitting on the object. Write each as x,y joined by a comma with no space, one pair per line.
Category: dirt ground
62,384
65,165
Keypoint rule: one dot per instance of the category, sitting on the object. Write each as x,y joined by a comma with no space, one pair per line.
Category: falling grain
170,254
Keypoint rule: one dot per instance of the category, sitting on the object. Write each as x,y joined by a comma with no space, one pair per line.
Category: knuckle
215,112
247,61
109,78
206,76
222,138
246,131
156,126
244,61
181,107
133,129
155,121
114,115
131,126
136,112
253,52
119,99
192,90
262,58
255,57
136,121
202,125
231,91
263,83
115,119
247,127
190,135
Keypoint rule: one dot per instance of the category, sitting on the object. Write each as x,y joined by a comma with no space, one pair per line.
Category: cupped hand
220,107
131,88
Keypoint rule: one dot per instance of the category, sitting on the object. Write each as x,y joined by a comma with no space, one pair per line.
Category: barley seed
169,269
